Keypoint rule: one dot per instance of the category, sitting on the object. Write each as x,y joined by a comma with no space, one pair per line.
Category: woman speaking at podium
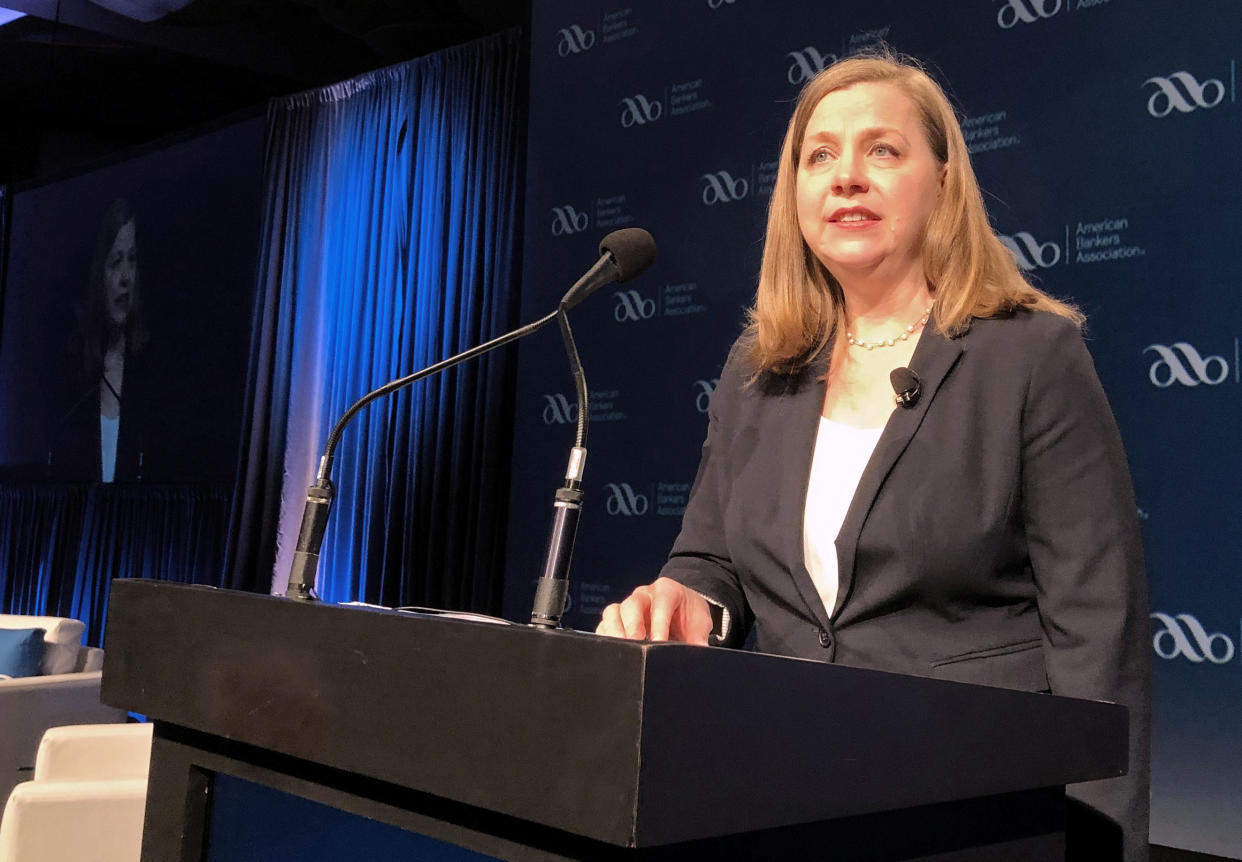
910,463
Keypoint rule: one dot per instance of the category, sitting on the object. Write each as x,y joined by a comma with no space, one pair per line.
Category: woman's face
867,183
120,267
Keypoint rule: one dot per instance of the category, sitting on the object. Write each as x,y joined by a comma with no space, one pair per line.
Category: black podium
517,743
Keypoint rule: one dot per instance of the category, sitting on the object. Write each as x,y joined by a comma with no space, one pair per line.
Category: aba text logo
1180,92
567,220
1029,252
631,306
1182,363
574,40
721,188
806,63
639,110
1183,636
1014,12
703,390
623,500
557,410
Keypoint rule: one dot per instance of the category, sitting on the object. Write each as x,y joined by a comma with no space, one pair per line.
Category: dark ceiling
79,82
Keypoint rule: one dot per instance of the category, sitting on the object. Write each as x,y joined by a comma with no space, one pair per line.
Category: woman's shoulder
1023,326
1027,343
742,377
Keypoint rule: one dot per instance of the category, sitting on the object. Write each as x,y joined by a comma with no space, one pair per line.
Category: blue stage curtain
40,526
389,243
61,545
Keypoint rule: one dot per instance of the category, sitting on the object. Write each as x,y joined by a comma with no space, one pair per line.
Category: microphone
907,386
623,255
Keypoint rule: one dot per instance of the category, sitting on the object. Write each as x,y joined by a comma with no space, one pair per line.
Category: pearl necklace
889,342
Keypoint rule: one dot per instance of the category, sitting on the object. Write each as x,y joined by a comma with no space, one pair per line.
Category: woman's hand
662,611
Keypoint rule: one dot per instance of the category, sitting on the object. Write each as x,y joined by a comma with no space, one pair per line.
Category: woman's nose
849,175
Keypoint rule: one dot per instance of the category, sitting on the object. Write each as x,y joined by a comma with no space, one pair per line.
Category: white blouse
841,455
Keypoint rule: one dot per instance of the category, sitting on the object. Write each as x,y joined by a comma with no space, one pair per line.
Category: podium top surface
634,744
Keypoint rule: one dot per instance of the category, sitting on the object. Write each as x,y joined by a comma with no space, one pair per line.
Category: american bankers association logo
1181,92
1105,240
1181,363
806,63
624,500
1015,12
633,306
574,40
638,110
558,410
720,187
1183,636
568,220
1030,253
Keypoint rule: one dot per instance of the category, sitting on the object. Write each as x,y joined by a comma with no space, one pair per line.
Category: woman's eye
884,150
818,157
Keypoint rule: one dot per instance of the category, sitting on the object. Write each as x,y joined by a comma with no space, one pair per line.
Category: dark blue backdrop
1104,133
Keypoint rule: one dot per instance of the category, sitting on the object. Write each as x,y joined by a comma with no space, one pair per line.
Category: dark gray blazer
993,537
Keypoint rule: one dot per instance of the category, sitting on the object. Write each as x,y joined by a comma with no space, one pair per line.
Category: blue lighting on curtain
61,544
389,237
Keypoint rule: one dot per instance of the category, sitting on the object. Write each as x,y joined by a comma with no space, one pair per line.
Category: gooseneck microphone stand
553,585
623,255
319,495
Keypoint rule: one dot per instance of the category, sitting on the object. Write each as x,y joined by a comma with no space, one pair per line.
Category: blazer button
825,639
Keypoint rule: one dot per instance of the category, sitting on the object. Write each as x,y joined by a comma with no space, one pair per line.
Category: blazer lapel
933,358
799,428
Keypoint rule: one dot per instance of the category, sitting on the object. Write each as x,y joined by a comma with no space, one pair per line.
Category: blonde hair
798,304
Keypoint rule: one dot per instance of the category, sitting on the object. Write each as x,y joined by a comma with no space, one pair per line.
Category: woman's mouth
853,215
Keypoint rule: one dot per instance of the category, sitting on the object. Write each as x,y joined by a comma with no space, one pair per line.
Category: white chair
66,691
86,800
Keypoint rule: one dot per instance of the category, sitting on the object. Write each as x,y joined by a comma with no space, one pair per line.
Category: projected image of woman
93,441
982,528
